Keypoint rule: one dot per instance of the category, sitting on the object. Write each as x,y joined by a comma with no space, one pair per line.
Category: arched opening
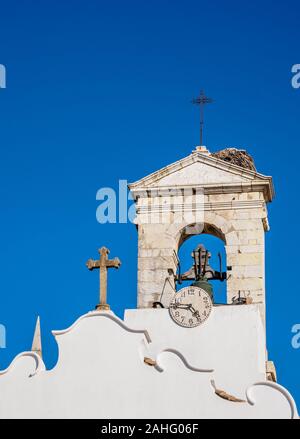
199,229
212,240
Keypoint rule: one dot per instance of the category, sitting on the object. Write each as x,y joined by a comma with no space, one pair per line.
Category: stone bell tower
221,194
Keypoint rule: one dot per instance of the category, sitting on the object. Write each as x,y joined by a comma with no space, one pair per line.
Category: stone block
258,213
150,288
217,198
253,196
227,214
247,284
246,271
251,248
156,276
257,234
232,249
252,241
232,238
158,263
242,214
253,224
245,259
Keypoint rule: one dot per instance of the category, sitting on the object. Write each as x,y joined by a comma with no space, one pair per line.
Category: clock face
190,307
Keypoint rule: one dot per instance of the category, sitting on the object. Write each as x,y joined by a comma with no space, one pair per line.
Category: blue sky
100,91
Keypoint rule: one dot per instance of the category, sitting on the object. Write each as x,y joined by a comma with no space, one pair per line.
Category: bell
206,286
201,272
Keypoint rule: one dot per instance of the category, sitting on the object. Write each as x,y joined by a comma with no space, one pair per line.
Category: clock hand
197,315
181,305
195,312
189,307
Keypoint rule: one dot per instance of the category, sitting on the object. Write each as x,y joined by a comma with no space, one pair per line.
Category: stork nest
238,157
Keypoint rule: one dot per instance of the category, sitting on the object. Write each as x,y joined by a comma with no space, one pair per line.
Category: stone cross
103,263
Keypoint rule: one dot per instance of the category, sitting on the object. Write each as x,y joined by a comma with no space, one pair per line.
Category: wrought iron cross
202,100
103,263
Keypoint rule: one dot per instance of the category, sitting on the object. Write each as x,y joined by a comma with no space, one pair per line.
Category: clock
190,307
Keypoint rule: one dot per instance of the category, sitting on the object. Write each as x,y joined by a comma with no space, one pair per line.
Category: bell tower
221,194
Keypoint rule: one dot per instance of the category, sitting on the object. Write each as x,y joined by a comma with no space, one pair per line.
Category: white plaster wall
232,342
101,374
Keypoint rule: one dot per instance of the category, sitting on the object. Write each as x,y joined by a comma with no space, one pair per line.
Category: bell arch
211,272
209,229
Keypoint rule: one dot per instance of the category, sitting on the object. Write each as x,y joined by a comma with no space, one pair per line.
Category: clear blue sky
98,91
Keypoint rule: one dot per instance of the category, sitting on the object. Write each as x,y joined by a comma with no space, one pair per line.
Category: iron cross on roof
103,263
201,100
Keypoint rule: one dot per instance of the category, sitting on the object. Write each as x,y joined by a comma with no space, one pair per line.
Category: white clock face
190,306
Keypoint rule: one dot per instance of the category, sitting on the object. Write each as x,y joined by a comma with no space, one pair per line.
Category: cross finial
37,342
201,100
103,263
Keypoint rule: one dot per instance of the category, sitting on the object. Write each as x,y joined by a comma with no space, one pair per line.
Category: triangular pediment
201,170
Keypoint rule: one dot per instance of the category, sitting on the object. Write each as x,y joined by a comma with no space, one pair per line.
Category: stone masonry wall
239,217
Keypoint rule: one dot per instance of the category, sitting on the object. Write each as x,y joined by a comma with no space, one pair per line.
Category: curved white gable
101,373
